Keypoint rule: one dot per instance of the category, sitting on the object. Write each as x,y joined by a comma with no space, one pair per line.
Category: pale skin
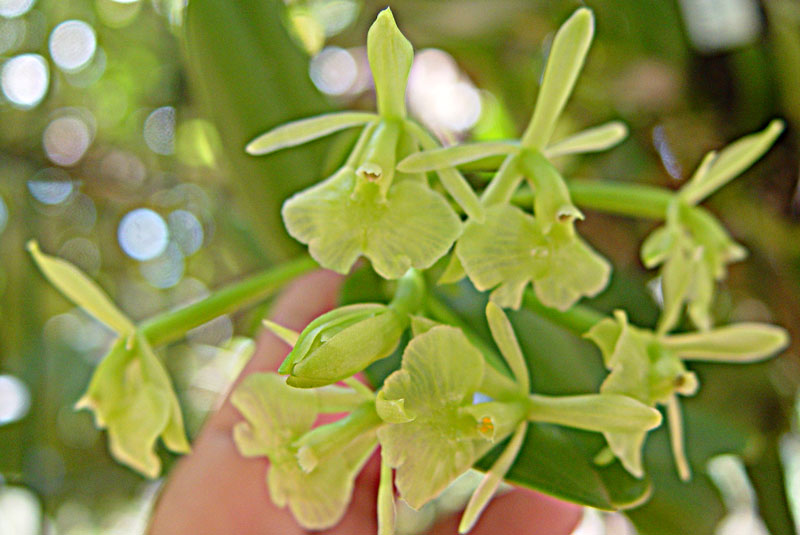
216,491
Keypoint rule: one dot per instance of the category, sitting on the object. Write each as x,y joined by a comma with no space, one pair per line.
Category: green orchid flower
277,416
434,431
512,249
366,208
650,367
692,248
130,392
544,249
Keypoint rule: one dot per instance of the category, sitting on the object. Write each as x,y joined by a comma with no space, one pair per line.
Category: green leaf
594,139
567,54
232,51
131,395
509,250
742,342
390,56
413,227
553,461
440,373
81,290
275,416
730,163
443,157
305,130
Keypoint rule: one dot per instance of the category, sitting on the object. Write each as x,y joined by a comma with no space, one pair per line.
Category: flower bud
341,343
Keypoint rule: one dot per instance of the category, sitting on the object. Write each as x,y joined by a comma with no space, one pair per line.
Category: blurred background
122,124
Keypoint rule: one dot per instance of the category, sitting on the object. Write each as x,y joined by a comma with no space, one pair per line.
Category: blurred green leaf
252,77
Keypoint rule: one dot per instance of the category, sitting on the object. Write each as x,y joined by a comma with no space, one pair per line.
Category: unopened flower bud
341,343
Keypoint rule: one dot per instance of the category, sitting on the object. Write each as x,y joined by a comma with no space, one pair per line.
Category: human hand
216,491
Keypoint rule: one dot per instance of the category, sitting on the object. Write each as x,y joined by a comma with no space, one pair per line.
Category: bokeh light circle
72,45
51,186
24,80
159,130
143,234
15,400
66,140
333,71
15,8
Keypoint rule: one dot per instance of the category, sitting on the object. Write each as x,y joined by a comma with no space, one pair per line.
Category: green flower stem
503,184
327,440
173,325
578,319
333,399
497,381
619,198
410,293
622,198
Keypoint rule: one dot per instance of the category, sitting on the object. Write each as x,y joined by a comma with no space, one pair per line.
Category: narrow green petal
443,157
81,290
676,438
386,507
461,192
491,480
676,278
605,335
595,412
627,447
287,335
567,55
657,246
742,342
305,130
731,162
506,340
455,184
390,56
594,139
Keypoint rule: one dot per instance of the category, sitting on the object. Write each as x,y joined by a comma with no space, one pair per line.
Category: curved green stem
173,325
621,198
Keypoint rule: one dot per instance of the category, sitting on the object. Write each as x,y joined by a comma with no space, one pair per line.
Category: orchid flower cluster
452,399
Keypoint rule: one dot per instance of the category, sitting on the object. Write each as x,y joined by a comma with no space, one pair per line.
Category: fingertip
520,511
